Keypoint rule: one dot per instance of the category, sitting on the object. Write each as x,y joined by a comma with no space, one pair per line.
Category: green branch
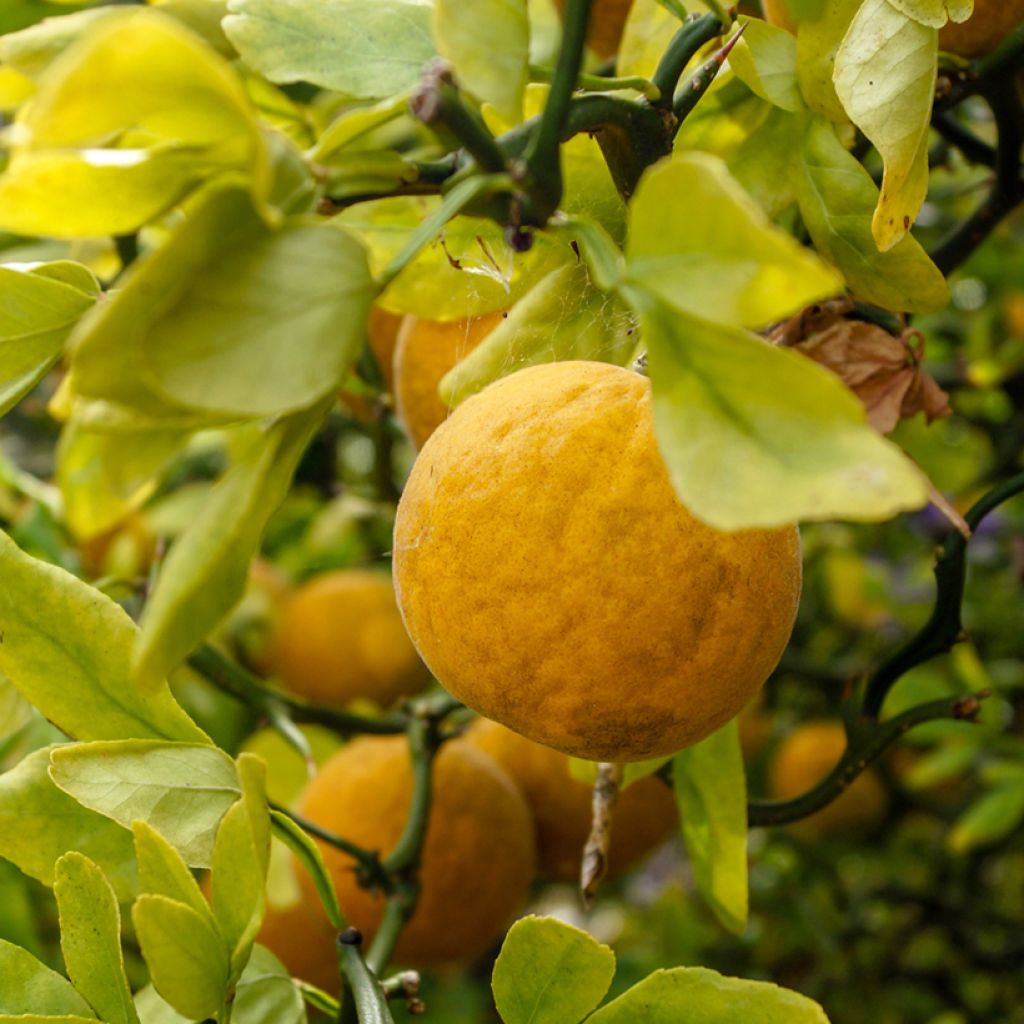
681,50
364,1000
602,83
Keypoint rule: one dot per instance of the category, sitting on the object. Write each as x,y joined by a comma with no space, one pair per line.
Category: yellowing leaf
885,78
488,45
649,29
837,196
758,436
765,59
702,245
817,40
124,123
935,12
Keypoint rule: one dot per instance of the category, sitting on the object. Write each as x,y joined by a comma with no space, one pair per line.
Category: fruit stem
424,740
694,33
365,1001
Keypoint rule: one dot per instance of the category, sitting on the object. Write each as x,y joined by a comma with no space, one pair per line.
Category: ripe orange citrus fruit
425,351
991,22
340,637
804,758
553,581
645,812
478,856
607,20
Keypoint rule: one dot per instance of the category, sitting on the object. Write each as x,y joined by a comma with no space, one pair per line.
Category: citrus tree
641,280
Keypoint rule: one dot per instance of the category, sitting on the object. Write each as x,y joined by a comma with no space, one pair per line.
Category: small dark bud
518,238
351,937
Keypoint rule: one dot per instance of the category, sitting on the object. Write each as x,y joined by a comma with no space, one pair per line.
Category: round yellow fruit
252,624
553,581
991,22
645,812
479,854
607,20
340,637
126,550
425,351
803,759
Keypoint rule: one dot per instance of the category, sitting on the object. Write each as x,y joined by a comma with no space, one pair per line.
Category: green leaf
205,574
199,324
935,12
697,995
711,790
240,856
182,790
15,711
990,818
765,59
30,987
468,271
266,992
73,662
90,938
837,196
885,77
367,49
39,823
37,312
488,44
33,49
563,317
104,475
549,973
102,125
649,29
163,872
759,436
817,41
20,921
701,244
309,855
154,1009
767,162
352,125
186,957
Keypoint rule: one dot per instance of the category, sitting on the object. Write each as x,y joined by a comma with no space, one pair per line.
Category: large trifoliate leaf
90,938
711,790
759,436
128,120
700,996
180,789
73,662
204,576
40,822
29,987
549,973
885,78
488,44
37,312
230,318
362,48
837,196
703,246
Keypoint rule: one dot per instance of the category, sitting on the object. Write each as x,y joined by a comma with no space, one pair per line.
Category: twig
364,1000
602,83
956,134
681,50
594,864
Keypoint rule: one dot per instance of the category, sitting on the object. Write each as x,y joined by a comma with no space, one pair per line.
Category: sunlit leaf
935,12
765,59
30,987
266,992
817,41
163,872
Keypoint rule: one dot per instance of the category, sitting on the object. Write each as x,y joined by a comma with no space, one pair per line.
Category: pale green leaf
362,48
163,872
240,858
758,436
180,789
20,920
28,986
836,197
765,59
73,662
697,995
649,29
469,270
33,49
205,573
266,992
15,711
727,117
488,44
90,938
309,855
935,12
103,475
154,1009
39,823
352,125
563,317
817,41
549,973
700,243
767,162
200,324
102,126
711,790
990,819
37,312
186,958
40,1018
885,76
